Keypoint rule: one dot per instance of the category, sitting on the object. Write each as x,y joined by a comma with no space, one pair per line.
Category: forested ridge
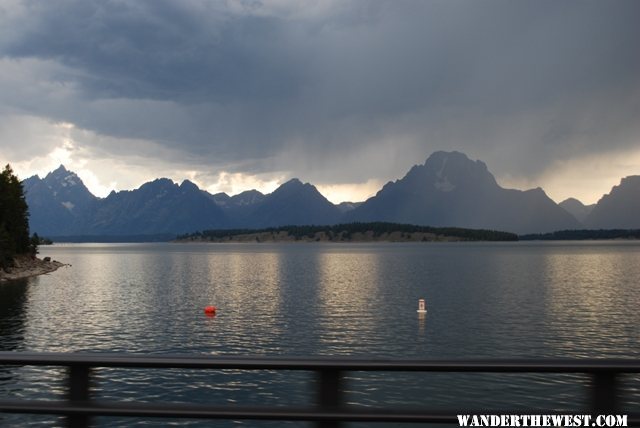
584,234
350,231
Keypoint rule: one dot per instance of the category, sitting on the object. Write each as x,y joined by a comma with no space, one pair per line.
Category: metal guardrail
330,409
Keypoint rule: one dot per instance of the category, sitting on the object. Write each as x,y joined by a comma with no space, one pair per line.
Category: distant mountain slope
160,206
58,203
61,205
577,208
246,198
238,207
448,190
348,206
620,209
452,190
293,203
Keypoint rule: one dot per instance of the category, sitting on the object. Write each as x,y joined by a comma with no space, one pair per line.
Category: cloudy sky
343,94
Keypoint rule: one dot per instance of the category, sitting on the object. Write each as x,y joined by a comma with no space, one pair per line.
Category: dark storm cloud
518,83
156,49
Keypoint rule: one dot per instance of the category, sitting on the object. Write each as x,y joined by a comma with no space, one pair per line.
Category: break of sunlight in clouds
234,183
586,178
35,146
350,192
41,146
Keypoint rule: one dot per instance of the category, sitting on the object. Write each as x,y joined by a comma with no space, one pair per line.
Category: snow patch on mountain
444,185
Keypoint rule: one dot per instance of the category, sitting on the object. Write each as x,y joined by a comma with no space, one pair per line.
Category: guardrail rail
330,409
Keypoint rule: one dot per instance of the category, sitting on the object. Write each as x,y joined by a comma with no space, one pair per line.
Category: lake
484,300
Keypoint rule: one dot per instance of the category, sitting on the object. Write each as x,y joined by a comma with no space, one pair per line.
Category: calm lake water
485,300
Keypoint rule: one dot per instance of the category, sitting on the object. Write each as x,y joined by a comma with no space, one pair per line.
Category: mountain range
449,189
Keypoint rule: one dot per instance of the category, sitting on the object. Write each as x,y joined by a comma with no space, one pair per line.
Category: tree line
14,220
348,229
584,234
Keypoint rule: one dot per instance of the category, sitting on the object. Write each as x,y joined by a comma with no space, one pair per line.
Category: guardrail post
78,393
329,394
603,392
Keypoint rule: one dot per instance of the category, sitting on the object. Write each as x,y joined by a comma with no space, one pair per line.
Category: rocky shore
26,266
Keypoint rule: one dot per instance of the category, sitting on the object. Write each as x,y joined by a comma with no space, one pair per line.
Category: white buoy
421,306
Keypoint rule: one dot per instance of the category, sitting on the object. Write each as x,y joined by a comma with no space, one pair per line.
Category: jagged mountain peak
441,156
188,185
293,203
452,161
63,176
450,189
60,170
57,202
294,186
159,183
444,172
452,169
66,185
248,197
293,183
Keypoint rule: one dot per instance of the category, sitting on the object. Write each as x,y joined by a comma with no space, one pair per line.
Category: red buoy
210,310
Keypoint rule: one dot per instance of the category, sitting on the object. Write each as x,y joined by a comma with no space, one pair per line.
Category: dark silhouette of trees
345,232
14,218
583,234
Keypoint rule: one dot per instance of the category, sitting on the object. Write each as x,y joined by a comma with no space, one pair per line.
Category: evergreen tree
7,249
14,218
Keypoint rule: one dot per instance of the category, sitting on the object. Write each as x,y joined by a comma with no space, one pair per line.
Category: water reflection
422,322
484,301
12,314
348,291
511,295
248,289
12,320
588,297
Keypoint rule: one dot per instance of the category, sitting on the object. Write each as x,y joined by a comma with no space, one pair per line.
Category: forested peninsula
584,235
350,232
17,249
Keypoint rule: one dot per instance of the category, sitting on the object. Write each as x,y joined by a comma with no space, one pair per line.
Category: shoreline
25,267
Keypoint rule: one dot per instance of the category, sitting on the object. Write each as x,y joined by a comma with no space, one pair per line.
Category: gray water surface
485,300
